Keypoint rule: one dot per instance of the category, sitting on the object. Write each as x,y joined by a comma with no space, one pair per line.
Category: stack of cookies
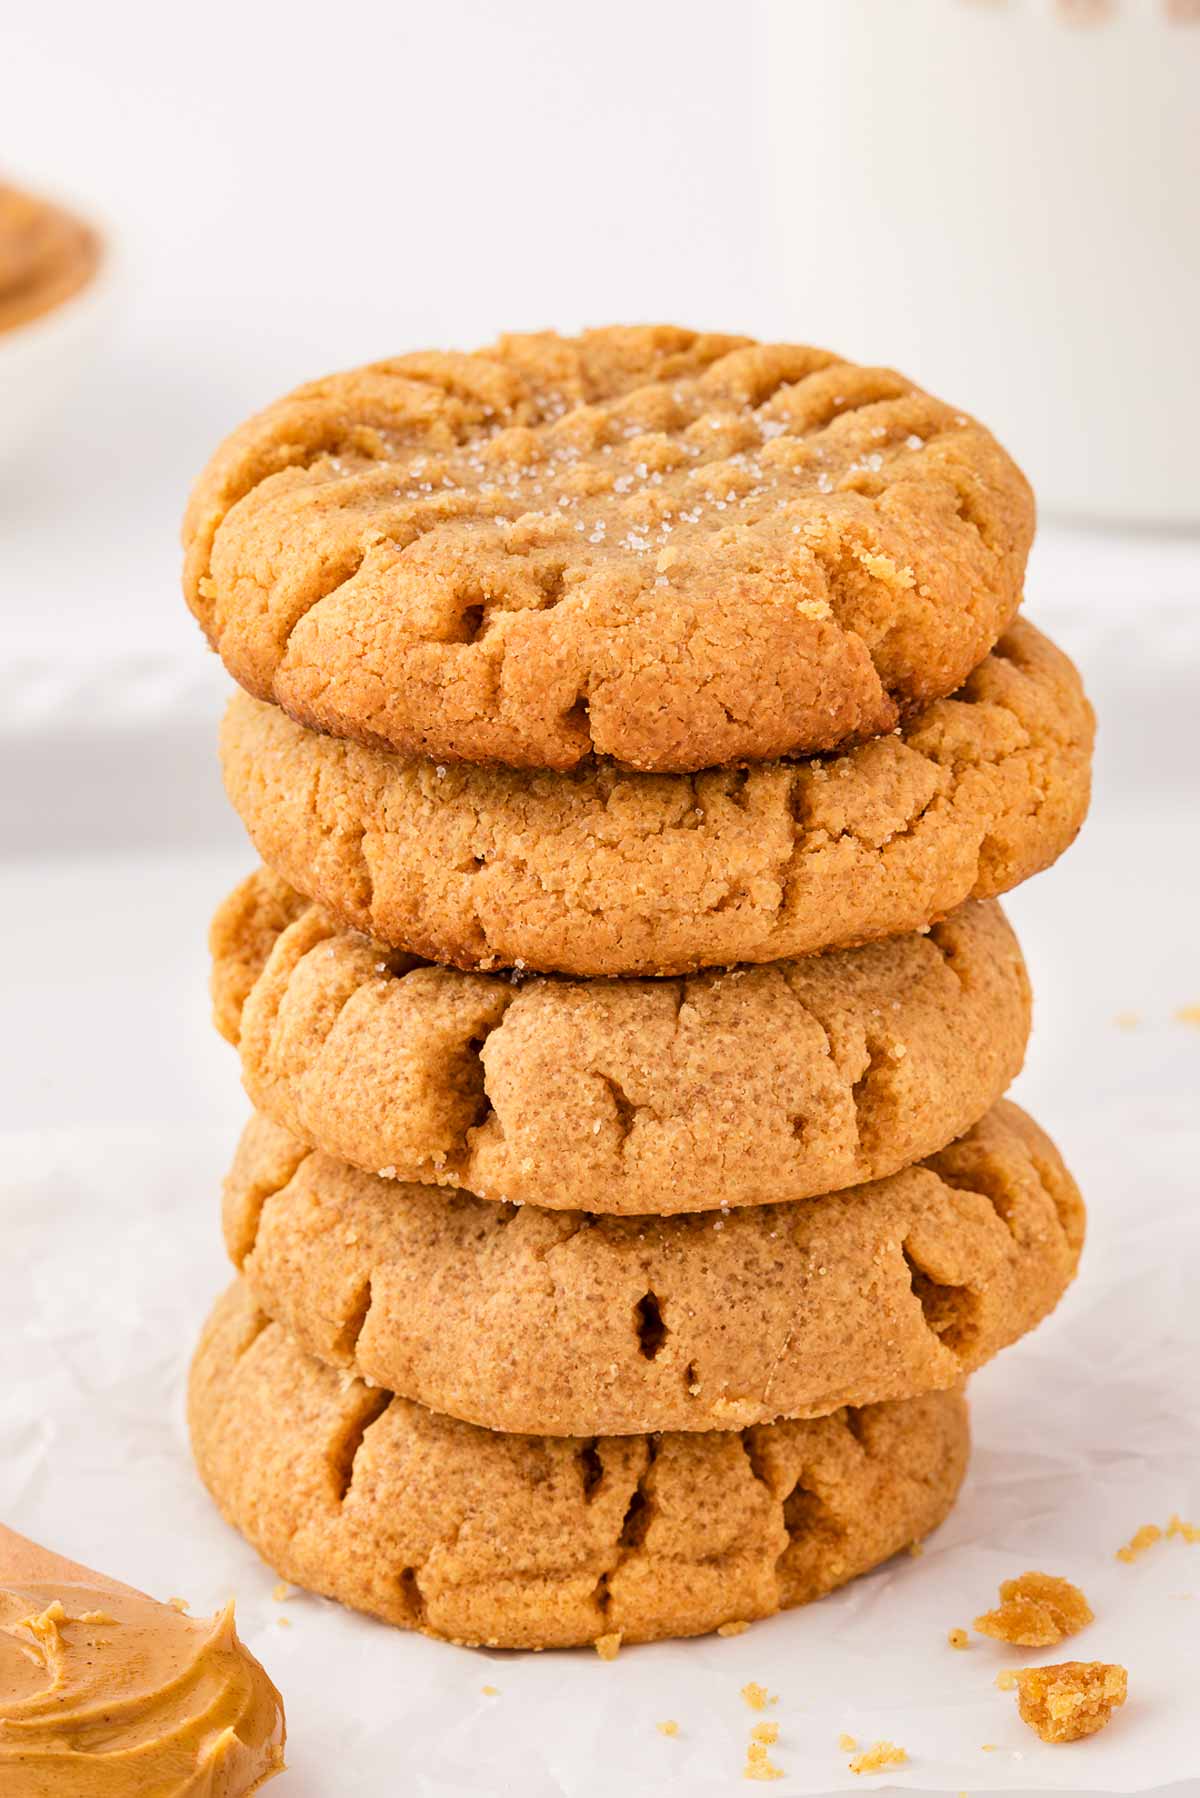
636,732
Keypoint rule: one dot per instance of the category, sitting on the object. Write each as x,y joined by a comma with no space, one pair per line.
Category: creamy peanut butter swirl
106,1694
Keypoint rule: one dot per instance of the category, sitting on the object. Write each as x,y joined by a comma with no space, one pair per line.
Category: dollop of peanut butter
106,1694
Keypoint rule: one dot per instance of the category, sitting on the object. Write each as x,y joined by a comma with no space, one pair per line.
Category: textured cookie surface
682,551
528,1541
600,871
563,1322
733,1088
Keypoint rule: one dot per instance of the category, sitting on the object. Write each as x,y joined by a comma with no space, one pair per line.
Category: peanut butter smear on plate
106,1694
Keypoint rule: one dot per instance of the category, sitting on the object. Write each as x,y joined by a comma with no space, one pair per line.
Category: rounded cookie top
604,871
679,550
536,1542
569,1323
715,1089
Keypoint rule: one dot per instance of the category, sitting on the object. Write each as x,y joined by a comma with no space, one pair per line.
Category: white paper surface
1082,1433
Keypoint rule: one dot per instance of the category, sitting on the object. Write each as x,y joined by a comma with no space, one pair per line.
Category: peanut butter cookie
679,550
716,1089
545,1542
561,1323
601,871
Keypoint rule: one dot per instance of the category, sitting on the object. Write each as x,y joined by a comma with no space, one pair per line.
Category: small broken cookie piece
1070,1700
1139,1542
1035,1611
878,1757
759,1764
757,1697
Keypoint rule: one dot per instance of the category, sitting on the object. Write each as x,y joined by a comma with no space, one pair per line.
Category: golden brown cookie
717,1089
563,1322
681,551
601,871
529,1542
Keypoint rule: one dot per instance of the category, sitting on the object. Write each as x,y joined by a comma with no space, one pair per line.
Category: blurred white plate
42,360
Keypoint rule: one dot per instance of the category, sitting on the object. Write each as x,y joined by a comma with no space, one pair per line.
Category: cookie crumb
916,1550
1035,1611
490,1691
765,1732
879,1756
1006,1679
1139,1542
608,1647
284,1622
669,1728
1127,1020
1071,1700
179,1604
282,1592
958,1638
1188,1014
759,1764
846,1743
1190,1532
757,1697
737,1628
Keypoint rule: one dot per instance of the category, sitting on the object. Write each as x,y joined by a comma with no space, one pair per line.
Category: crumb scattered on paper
669,1728
609,1647
282,1592
1127,1020
759,1764
757,1697
878,1757
1036,1610
1071,1700
847,1744
1150,1533
1006,1679
1188,1014
958,1638
765,1732
1139,1542
737,1628
490,1691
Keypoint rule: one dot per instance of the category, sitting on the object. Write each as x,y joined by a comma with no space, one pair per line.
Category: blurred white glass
1002,198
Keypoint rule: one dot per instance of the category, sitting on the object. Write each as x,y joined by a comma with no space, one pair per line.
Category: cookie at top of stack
679,550
643,665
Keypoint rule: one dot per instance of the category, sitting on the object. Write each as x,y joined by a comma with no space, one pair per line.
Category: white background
291,191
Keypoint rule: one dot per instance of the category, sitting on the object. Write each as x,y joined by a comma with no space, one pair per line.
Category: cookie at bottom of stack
536,1542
